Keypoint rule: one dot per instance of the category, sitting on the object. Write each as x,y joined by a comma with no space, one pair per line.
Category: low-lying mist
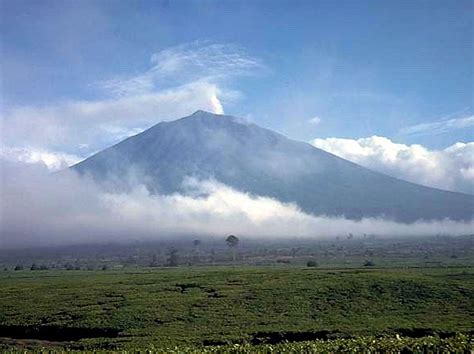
38,208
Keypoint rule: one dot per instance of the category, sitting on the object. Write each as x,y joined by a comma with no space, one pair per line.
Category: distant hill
262,162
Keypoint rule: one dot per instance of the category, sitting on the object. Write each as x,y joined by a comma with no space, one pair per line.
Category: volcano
262,162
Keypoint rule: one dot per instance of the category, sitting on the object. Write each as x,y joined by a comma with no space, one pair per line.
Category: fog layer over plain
42,209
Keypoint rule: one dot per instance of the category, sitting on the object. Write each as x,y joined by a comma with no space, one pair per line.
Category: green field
242,307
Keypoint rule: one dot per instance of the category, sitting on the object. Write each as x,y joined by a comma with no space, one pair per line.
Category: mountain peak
201,112
205,115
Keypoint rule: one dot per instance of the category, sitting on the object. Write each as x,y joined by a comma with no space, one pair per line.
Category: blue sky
309,69
363,67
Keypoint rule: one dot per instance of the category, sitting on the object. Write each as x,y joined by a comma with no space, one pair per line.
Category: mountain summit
259,161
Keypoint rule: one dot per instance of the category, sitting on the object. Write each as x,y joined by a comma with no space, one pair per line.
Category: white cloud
181,80
314,120
451,168
71,125
440,127
211,60
195,61
65,209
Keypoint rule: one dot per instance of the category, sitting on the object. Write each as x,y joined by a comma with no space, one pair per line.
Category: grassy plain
197,308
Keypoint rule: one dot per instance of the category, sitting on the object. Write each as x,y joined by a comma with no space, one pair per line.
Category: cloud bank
42,209
53,160
451,168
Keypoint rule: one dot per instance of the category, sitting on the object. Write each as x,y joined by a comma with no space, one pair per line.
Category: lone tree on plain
172,260
34,266
232,241
154,261
196,244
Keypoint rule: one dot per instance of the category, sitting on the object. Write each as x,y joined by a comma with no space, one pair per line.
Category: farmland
239,308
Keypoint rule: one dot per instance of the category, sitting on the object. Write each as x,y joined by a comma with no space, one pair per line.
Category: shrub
285,261
69,266
34,266
311,264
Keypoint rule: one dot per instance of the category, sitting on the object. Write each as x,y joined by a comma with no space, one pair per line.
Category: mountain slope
259,161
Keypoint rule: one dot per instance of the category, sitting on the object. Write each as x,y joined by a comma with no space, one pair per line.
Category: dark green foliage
185,307
311,264
457,344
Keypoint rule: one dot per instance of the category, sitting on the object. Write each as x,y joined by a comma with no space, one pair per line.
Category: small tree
18,267
196,244
232,241
172,257
154,261
69,266
213,256
311,264
369,263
